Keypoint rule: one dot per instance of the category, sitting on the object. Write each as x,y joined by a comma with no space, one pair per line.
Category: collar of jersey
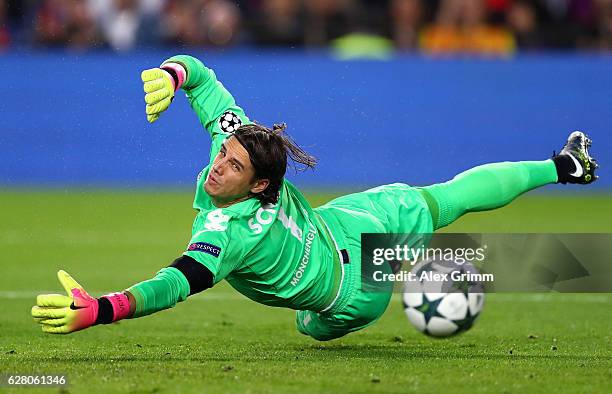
243,207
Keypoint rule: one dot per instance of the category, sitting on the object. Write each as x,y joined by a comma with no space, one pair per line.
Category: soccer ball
442,306
229,122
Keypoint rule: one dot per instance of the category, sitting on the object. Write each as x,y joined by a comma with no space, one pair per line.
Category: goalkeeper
254,229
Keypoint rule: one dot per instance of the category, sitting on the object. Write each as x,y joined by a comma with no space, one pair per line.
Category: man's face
231,176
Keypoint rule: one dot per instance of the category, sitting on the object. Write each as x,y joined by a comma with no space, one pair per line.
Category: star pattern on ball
429,309
440,305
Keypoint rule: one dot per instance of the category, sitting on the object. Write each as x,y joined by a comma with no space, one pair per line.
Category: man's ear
260,185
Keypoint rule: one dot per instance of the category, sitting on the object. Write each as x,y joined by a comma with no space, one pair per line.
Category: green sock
486,187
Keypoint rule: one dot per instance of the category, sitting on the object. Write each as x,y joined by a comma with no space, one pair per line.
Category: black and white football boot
574,165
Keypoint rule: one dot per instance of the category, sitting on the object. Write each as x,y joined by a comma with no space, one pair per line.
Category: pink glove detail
121,305
86,309
63,314
180,73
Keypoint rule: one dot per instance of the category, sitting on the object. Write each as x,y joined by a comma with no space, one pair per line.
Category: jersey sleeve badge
229,122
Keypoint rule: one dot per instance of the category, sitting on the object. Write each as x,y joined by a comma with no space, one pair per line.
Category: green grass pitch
219,341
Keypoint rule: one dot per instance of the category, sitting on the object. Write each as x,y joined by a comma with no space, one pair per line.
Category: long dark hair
268,151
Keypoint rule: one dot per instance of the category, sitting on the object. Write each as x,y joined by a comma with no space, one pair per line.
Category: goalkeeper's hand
159,87
60,314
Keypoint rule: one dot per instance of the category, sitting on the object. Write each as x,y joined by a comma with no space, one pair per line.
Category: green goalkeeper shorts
396,208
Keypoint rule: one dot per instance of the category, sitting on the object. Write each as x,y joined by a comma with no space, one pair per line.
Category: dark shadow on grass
326,353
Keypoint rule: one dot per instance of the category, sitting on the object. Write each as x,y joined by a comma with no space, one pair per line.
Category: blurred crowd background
489,27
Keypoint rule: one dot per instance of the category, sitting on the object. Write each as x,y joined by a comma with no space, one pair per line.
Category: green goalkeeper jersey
278,255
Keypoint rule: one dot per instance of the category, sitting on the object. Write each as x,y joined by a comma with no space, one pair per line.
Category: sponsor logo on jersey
216,220
229,122
205,247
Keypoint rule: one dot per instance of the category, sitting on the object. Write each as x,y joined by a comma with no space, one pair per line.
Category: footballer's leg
399,208
494,185
396,208
360,310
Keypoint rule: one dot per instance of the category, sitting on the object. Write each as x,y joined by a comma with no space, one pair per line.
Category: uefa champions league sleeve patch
229,122
205,248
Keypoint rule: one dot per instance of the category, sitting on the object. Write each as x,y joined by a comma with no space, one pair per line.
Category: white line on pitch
21,295
502,297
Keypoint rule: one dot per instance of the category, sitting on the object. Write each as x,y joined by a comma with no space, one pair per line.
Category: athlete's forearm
166,289
170,285
207,96
132,302
197,73
77,310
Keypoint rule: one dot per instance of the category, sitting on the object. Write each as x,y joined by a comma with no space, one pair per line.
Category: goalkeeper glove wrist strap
112,307
177,72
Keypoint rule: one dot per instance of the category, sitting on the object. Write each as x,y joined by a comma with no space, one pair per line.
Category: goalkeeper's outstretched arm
59,314
186,276
210,100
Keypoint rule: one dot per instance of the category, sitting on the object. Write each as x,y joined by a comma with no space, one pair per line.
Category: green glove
159,88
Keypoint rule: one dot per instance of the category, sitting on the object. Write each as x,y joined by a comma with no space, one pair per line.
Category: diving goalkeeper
254,229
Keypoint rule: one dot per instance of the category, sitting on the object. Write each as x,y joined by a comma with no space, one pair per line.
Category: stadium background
381,91
424,89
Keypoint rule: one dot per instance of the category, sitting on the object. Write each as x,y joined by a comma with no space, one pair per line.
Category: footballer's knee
310,324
